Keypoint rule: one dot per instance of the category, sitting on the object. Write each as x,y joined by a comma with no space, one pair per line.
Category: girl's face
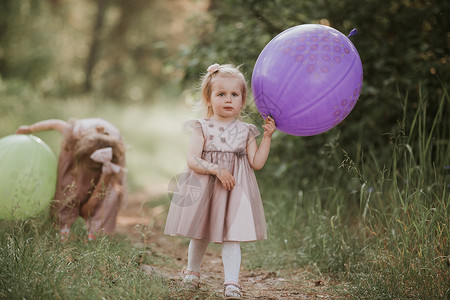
226,98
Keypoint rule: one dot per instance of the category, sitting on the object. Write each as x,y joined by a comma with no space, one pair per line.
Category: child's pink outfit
87,177
201,208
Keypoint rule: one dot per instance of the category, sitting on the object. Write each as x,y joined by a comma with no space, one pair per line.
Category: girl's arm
52,124
257,157
201,166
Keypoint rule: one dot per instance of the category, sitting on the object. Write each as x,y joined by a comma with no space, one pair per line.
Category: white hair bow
104,156
213,68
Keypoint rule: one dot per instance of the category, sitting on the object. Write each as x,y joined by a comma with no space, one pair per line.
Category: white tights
197,249
231,258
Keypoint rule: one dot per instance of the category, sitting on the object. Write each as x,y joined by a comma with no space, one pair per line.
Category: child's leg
197,249
102,207
231,258
65,207
65,212
102,219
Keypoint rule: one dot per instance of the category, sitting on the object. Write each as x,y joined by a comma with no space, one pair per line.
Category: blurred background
342,198
63,58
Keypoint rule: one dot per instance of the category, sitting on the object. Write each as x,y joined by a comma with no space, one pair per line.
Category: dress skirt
201,208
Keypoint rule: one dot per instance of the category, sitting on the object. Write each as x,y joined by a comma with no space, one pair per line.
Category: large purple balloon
308,79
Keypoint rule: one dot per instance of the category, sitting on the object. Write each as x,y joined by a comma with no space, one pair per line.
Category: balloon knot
353,32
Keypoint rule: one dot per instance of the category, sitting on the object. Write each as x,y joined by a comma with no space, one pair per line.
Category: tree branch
272,28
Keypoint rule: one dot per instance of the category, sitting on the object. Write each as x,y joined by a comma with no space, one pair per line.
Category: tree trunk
101,8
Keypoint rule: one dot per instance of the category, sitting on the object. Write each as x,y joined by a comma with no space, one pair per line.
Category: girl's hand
269,127
226,178
23,129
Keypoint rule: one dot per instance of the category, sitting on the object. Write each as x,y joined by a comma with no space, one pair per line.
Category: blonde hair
220,71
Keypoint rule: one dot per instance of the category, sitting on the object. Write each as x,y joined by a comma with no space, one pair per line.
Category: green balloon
28,170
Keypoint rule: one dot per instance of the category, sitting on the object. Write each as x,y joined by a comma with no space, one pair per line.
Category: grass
379,221
35,265
384,227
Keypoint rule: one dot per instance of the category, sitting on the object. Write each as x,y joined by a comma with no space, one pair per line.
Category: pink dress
201,208
79,176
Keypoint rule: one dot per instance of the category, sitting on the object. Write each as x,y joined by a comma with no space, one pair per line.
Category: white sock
231,258
197,249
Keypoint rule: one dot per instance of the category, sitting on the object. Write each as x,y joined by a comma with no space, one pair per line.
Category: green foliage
400,42
403,46
236,32
36,265
57,46
20,104
377,218
26,48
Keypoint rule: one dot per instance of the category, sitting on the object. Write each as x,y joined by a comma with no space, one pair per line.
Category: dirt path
142,221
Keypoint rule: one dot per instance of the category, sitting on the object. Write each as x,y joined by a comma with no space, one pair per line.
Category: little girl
217,198
91,174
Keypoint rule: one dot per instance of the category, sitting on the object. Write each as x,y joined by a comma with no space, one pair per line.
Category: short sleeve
253,130
191,125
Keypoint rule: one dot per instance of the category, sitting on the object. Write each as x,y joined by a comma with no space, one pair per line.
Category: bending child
217,198
91,174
